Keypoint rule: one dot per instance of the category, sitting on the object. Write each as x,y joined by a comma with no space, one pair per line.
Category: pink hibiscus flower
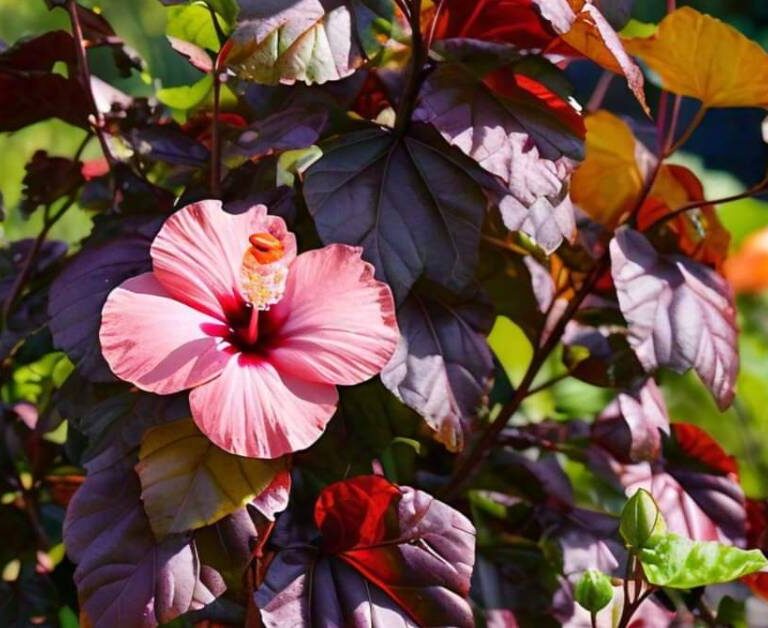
261,336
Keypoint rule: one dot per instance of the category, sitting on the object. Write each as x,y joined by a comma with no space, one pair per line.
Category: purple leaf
124,577
270,44
519,141
442,366
79,293
680,313
385,556
167,143
413,204
289,129
629,427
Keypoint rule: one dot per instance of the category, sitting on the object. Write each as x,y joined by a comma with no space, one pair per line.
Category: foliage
367,320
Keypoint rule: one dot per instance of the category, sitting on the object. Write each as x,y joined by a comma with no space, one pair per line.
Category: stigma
264,271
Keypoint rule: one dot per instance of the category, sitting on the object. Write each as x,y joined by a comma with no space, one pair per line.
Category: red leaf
697,444
388,555
351,514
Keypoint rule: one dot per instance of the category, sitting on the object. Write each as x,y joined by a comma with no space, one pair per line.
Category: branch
216,136
414,77
692,126
756,189
26,270
84,73
492,430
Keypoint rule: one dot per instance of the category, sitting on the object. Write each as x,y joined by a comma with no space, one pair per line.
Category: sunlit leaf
442,365
607,183
660,296
699,56
186,96
187,482
680,563
380,554
313,41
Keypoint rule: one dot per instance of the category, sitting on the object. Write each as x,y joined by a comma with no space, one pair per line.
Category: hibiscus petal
336,324
199,250
253,410
156,342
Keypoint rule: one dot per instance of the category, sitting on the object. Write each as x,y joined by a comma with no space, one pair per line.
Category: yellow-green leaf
187,482
699,56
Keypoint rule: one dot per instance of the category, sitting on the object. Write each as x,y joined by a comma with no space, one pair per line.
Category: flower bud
641,519
594,590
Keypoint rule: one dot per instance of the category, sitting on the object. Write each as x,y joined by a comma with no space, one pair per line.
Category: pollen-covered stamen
264,271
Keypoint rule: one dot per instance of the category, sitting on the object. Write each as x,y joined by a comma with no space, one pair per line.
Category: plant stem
692,126
601,90
593,619
549,383
84,73
216,137
414,76
29,262
756,189
492,431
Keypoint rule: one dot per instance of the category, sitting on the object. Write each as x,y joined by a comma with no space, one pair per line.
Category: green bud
594,590
641,520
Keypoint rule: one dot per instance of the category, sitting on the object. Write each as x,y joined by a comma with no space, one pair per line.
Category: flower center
263,271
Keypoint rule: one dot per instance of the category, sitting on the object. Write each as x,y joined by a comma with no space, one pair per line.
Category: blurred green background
742,430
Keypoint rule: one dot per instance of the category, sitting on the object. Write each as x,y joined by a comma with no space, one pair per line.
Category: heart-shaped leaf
385,555
124,577
674,561
680,313
187,482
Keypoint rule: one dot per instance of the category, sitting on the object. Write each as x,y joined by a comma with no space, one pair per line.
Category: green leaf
188,483
227,9
670,560
641,519
186,96
193,23
594,590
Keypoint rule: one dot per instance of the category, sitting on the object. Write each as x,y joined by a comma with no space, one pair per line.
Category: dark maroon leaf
79,293
629,427
31,97
167,143
385,556
292,128
412,203
29,92
442,366
680,313
124,576
515,137
39,54
48,179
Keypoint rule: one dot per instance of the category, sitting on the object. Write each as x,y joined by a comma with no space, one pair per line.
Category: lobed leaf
386,555
414,206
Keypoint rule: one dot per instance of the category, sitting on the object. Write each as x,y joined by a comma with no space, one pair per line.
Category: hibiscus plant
374,320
